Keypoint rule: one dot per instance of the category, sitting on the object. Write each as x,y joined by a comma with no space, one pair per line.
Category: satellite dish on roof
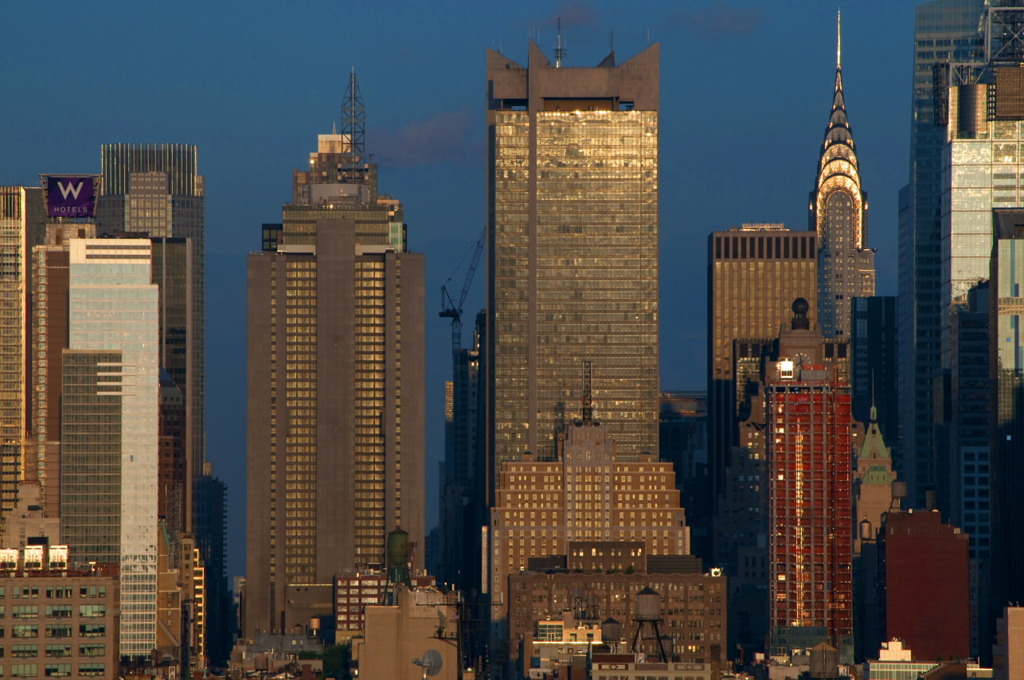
430,663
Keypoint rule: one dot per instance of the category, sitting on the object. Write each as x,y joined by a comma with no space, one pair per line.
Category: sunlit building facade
810,436
981,172
754,274
109,447
156,190
839,214
49,334
22,226
572,250
336,374
588,495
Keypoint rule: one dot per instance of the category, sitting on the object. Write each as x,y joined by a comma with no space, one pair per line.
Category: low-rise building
55,622
355,590
616,667
414,638
692,615
1008,650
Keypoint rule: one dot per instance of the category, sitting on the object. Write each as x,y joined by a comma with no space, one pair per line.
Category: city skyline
705,127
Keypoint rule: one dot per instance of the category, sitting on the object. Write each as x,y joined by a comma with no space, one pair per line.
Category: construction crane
449,308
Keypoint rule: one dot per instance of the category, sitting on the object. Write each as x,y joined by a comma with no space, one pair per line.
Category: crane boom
453,310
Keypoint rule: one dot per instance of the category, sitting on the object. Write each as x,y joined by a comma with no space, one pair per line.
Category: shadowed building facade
944,30
335,388
1006,319
572,250
924,576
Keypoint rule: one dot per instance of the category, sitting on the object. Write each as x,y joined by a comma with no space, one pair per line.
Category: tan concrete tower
335,388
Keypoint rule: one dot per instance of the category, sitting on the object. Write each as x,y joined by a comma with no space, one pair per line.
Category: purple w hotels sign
71,196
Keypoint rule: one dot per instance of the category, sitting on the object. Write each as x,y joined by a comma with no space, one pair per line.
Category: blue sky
745,88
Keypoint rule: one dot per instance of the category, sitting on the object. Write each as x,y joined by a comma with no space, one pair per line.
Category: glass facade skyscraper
945,31
110,424
1006,319
572,250
156,190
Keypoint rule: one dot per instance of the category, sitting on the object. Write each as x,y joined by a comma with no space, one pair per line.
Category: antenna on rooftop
560,51
353,119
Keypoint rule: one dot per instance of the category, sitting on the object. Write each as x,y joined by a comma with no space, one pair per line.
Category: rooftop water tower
648,615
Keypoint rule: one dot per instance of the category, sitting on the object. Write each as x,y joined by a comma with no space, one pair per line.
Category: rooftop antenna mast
560,51
353,120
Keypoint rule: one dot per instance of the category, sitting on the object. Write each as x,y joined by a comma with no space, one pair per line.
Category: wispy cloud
573,14
451,137
719,20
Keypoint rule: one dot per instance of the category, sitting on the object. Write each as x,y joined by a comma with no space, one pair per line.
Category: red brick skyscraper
810,433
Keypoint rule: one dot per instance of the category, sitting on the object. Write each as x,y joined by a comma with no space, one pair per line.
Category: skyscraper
873,497
463,479
839,213
211,527
810,440
572,250
156,190
945,31
22,226
1006,314
754,274
109,445
873,363
335,386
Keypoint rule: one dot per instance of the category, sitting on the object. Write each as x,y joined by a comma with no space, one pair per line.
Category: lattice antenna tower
353,119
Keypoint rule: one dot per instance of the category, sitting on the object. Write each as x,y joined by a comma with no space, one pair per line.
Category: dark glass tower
945,31
1006,319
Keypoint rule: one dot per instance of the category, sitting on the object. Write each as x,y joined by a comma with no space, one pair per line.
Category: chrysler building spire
838,212
839,40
